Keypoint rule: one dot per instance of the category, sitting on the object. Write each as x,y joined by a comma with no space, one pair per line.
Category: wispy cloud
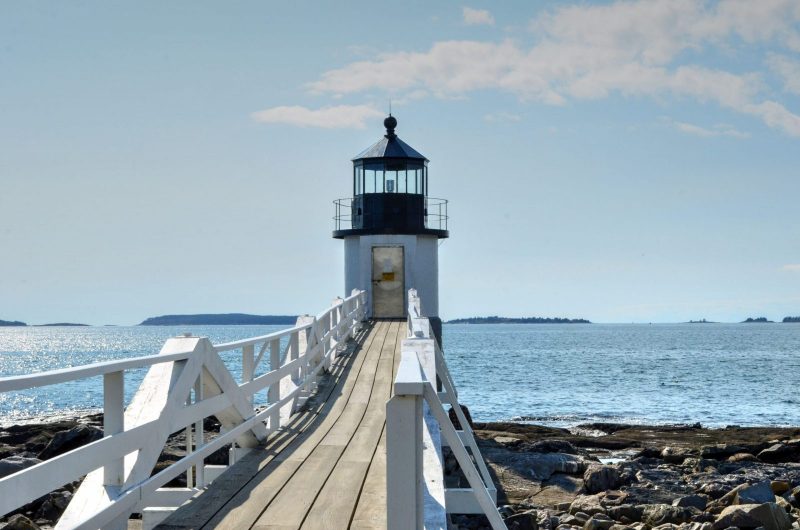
720,129
788,69
502,117
581,52
473,17
792,267
338,117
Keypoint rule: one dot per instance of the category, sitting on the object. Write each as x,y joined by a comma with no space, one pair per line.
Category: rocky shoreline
591,477
624,477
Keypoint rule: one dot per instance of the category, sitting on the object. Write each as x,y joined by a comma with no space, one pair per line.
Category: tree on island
791,319
506,320
751,320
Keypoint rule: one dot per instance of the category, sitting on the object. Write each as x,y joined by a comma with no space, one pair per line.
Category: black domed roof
390,146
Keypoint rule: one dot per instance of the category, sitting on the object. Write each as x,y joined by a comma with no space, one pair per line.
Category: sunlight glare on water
716,374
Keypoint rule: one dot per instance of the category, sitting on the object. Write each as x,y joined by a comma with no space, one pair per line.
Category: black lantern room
390,192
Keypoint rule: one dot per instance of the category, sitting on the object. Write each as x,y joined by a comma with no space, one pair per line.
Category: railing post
248,366
199,433
404,500
113,423
274,392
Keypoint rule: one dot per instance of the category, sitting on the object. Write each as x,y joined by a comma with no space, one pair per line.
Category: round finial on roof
390,123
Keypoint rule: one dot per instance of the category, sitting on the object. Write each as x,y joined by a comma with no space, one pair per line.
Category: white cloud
792,267
474,17
338,117
788,69
775,115
720,129
502,117
643,48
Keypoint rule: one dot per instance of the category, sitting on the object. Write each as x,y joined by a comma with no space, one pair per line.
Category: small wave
61,415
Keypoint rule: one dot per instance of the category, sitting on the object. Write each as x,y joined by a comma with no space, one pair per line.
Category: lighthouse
391,229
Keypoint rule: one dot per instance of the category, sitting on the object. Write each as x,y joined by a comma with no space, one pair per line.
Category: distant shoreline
525,320
224,319
243,319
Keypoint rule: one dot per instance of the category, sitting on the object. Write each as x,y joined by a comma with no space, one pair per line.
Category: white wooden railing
185,383
416,422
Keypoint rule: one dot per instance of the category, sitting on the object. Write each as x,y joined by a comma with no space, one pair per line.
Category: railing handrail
73,373
436,216
422,367
152,421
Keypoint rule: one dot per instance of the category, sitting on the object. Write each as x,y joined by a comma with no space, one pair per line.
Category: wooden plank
228,491
370,513
263,488
336,503
289,508
371,508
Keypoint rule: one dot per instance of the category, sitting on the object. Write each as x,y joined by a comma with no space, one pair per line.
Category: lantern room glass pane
390,176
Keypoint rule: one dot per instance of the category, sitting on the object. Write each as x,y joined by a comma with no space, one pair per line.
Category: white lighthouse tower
391,229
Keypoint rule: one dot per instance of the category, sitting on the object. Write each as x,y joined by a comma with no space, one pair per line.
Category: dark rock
542,465
588,504
721,451
506,510
454,418
12,464
673,455
599,478
697,525
54,505
526,520
755,494
795,494
613,498
691,501
649,452
658,514
746,516
20,522
75,437
779,487
779,453
508,441
627,511
552,446
743,457
715,490
726,500
598,522
569,520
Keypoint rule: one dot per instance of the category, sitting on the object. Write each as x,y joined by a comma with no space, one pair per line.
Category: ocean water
715,374
560,375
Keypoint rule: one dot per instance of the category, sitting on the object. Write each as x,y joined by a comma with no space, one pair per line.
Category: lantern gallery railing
416,422
186,383
435,214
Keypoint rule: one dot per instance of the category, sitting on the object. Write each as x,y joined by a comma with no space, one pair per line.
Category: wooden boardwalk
327,468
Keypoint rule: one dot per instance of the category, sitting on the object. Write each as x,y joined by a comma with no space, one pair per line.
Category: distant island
227,319
507,320
791,319
61,324
10,323
751,320
701,321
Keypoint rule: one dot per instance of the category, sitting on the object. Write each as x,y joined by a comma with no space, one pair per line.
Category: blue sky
624,161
